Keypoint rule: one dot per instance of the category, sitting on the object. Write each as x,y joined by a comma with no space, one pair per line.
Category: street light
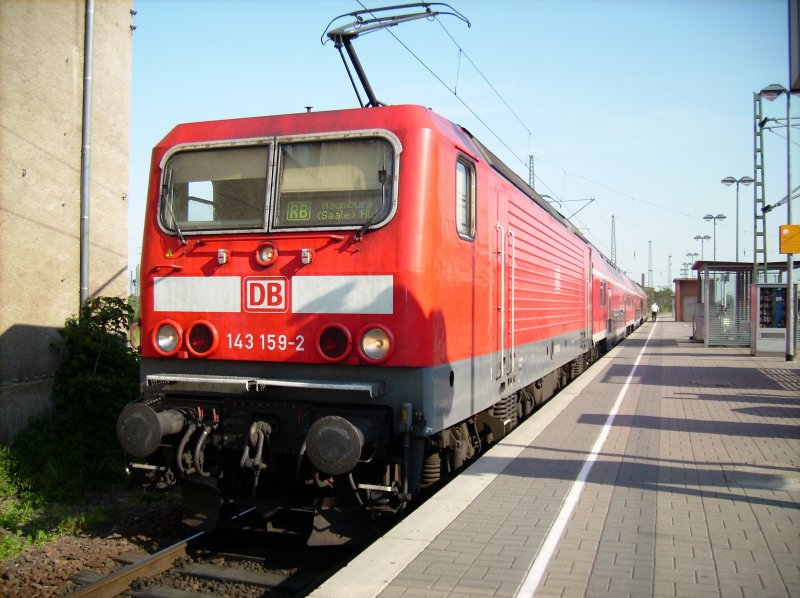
769,93
719,217
701,239
728,181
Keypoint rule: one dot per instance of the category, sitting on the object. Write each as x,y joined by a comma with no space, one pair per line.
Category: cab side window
465,199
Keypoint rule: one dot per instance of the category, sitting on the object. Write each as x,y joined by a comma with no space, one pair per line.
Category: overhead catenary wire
453,90
496,92
554,162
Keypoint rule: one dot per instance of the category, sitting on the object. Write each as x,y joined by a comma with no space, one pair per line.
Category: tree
665,298
74,447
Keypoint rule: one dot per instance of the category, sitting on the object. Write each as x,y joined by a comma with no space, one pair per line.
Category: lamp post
769,93
728,181
719,217
702,239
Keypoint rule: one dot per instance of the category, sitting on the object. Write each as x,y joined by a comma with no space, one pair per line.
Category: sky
641,106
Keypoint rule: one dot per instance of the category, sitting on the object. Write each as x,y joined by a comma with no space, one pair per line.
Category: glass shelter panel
727,302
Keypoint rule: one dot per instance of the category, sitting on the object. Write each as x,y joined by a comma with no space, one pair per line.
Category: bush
74,449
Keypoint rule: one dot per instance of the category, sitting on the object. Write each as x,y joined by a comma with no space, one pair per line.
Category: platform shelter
723,309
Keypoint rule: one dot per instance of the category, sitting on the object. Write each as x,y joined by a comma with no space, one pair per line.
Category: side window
465,199
602,293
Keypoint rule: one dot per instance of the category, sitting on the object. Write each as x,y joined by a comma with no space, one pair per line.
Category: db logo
267,293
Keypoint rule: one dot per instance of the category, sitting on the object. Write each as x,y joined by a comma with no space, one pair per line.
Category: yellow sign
789,238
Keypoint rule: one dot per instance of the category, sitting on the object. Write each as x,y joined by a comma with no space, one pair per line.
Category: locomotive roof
330,121
520,184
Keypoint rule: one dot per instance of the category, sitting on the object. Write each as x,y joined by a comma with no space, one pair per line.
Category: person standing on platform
654,309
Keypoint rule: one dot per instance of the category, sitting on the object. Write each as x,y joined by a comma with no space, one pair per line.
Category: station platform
666,469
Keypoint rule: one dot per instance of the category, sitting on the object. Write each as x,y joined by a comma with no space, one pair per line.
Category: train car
618,304
637,305
338,308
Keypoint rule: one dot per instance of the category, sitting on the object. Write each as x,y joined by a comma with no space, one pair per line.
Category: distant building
41,106
687,295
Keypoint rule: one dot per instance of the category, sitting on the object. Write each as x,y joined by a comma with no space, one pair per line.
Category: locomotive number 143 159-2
248,341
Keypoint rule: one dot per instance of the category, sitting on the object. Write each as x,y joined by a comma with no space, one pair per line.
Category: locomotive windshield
324,183
215,189
334,183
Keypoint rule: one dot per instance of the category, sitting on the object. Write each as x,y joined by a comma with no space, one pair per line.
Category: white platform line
537,567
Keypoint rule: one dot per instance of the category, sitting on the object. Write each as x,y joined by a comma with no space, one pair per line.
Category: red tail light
203,338
334,342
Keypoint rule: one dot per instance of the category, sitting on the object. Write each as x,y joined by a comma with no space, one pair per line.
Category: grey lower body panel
445,394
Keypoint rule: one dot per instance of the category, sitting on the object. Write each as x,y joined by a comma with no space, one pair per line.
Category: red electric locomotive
339,307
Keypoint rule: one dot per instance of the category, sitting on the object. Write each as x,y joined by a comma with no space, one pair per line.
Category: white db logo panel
265,294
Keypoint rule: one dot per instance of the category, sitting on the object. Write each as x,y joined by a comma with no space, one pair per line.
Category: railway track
266,563
263,564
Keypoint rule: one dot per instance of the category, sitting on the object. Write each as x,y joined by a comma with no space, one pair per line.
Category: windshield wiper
167,188
365,227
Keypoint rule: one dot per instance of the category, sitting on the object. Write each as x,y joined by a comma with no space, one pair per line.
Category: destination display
325,212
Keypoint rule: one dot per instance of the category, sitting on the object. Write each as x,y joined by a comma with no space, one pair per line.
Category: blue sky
642,105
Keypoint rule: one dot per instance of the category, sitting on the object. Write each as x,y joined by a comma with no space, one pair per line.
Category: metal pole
791,304
737,221
86,149
715,239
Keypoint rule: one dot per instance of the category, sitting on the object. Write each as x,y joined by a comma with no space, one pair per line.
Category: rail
115,583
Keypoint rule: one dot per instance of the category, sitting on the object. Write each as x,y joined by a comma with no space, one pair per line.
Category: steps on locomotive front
667,468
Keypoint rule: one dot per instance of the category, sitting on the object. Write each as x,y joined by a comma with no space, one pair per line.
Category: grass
29,519
18,509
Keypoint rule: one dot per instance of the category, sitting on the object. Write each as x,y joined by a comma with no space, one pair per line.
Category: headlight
266,254
334,342
203,338
167,337
376,344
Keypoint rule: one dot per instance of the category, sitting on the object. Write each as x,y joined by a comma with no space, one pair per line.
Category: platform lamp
728,181
709,217
769,93
702,239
